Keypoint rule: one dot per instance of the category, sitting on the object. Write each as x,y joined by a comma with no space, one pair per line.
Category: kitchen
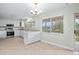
36,28
18,29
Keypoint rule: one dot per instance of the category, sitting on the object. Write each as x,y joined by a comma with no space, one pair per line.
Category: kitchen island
31,36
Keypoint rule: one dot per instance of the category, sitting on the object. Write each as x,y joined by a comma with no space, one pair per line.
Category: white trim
76,52
57,45
77,42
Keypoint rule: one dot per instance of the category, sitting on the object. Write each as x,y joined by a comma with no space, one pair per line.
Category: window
76,30
46,25
54,24
57,24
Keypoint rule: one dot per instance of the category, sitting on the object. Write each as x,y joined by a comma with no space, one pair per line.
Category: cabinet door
2,34
17,33
21,33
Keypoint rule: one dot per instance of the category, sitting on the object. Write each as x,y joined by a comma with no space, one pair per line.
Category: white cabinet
17,32
30,37
21,33
2,34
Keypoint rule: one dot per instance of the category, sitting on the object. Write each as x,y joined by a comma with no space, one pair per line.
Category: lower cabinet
2,34
30,37
21,33
16,32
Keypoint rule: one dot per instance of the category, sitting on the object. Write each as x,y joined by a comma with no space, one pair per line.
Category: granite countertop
12,27
28,30
2,30
21,29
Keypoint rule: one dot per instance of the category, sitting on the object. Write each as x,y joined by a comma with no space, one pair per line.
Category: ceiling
21,10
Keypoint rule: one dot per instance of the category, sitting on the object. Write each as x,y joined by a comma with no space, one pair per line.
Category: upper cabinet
27,24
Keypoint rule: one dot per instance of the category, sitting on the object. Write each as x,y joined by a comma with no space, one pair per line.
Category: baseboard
76,52
33,42
72,49
29,43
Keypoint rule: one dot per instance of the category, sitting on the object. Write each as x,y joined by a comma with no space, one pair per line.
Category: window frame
58,18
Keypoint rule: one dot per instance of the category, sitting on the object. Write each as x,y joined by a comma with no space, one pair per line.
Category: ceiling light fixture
35,10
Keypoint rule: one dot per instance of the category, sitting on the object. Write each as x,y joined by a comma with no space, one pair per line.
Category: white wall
67,38
37,22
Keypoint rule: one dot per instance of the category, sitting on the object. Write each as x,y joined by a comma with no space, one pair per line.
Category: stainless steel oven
9,30
10,33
